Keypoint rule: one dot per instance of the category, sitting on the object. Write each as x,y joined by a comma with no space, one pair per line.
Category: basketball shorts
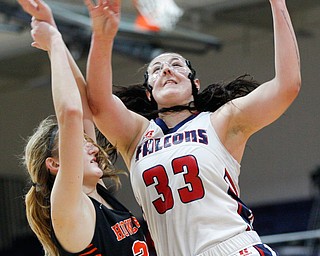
247,243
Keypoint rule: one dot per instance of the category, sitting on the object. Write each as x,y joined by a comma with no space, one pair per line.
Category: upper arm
238,119
262,106
89,127
269,101
76,232
72,212
121,126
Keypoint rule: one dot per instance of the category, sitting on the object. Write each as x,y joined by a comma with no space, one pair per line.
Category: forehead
166,57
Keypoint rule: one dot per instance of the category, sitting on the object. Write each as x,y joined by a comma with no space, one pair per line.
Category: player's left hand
38,9
105,17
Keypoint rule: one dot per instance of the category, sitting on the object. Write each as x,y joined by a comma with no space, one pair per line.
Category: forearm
270,100
82,87
287,59
65,93
69,112
99,74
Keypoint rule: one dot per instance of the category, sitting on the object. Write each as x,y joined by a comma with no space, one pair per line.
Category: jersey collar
166,130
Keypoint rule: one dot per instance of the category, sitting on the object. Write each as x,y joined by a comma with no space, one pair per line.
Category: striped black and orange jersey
117,231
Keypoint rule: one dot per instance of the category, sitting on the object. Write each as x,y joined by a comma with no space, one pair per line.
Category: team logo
244,252
149,134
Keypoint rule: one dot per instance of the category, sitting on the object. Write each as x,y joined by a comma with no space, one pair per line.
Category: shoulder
75,232
229,130
143,126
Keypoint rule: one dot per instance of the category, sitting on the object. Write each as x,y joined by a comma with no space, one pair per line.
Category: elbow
293,88
101,104
296,85
94,107
68,113
289,84
93,103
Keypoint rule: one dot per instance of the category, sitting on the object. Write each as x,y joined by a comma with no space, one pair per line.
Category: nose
91,148
166,69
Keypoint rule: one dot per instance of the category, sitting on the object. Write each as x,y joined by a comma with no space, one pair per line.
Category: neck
173,118
93,193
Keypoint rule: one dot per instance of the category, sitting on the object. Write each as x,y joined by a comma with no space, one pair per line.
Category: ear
52,165
197,83
148,95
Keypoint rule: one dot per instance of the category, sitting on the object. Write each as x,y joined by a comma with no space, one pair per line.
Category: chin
99,173
96,172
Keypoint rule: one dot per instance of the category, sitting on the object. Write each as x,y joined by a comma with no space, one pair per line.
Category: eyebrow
170,60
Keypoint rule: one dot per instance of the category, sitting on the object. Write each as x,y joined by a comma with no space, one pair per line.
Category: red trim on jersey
229,180
259,250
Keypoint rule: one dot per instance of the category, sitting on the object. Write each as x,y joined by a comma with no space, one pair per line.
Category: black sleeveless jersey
117,231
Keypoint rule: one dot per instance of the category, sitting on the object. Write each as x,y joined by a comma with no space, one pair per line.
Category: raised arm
42,12
269,101
113,119
67,198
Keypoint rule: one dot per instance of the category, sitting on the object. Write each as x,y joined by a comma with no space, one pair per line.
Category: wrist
278,3
56,40
53,23
102,38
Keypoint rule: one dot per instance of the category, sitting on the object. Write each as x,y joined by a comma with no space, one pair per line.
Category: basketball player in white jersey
184,148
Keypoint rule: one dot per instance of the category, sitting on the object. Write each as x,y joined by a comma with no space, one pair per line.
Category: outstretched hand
43,34
38,9
105,16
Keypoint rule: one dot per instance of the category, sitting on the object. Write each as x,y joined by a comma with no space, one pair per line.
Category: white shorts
247,243
256,250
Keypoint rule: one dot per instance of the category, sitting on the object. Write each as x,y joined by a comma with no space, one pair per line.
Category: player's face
168,76
91,167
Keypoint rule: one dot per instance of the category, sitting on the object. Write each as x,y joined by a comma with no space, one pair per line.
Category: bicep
120,126
75,231
261,107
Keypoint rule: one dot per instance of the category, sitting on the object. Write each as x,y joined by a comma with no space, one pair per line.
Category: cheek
160,94
85,158
155,90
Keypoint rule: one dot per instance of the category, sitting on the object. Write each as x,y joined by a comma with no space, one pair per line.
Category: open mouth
170,81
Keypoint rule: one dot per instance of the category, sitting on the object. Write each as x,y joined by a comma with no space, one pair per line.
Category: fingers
111,14
89,4
108,13
28,6
35,45
34,22
23,2
112,5
116,6
32,32
42,34
39,4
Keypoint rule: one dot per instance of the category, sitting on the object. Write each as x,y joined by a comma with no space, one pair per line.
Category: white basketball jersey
187,185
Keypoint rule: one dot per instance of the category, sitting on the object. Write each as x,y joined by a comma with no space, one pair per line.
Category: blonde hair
42,144
38,197
106,165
